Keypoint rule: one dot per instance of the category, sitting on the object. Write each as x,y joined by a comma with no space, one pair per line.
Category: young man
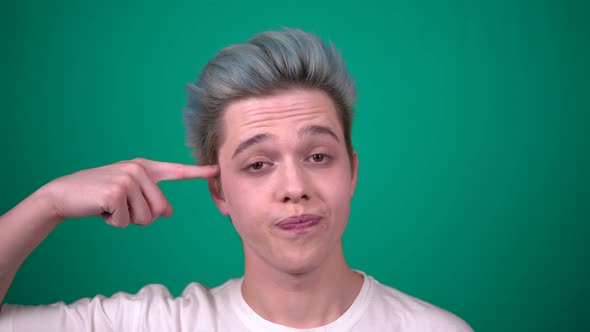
270,122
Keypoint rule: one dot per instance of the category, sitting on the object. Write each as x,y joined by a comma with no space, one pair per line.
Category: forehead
278,114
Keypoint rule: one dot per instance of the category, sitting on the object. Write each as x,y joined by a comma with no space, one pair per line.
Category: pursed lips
293,221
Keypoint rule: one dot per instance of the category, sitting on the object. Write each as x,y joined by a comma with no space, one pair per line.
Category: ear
354,170
216,192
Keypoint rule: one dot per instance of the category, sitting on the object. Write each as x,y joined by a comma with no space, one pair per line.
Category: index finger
165,171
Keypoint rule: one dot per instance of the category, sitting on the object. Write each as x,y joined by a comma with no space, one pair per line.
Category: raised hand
122,193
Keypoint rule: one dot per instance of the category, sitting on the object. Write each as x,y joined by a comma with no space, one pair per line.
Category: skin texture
299,280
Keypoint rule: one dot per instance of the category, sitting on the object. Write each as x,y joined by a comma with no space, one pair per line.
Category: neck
303,300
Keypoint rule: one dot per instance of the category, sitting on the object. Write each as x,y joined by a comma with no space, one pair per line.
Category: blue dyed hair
269,63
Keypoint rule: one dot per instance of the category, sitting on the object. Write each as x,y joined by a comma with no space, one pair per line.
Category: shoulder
412,313
153,295
151,308
193,293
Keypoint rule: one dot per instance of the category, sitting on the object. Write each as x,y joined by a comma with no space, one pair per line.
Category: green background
472,127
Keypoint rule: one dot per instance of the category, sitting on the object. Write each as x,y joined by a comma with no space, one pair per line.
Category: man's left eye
319,158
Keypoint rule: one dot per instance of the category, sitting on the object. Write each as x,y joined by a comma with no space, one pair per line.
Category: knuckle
143,218
160,209
133,167
114,194
124,180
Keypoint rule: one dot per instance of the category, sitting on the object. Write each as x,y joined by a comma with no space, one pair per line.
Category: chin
299,265
298,269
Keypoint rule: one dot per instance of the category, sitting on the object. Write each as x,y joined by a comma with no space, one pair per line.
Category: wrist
45,201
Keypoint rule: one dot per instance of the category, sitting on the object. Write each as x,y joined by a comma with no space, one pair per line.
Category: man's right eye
256,166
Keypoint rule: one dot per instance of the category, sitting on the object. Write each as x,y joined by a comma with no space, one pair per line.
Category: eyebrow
317,130
256,139
312,130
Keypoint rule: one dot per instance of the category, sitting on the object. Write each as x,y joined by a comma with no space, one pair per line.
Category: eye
257,166
319,158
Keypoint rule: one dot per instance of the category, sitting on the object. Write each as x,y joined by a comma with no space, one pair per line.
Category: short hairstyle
269,63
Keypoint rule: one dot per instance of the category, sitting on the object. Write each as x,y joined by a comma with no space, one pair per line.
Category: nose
292,186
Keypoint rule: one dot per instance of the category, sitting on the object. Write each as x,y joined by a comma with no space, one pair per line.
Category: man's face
284,156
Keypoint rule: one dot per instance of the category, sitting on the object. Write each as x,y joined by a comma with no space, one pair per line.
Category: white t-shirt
376,308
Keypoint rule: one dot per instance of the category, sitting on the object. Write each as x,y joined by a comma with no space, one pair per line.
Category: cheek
336,187
241,194
245,202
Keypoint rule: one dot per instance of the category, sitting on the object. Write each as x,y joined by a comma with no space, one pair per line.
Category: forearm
22,229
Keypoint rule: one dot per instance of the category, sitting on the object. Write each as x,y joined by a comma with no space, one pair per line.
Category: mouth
299,223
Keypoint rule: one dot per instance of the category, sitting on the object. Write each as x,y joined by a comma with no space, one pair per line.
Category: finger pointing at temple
165,171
